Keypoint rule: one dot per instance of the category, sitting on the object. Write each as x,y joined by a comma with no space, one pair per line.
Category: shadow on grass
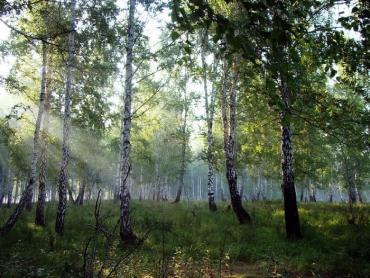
188,236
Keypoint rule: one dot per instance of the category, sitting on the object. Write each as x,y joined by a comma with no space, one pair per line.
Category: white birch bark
40,208
63,173
126,231
228,109
209,119
183,143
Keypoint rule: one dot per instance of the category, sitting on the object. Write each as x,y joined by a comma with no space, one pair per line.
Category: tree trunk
183,144
18,185
229,132
302,194
141,194
349,175
9,192
209,117
63,173
352,196
292,226
70,193
40,208
81,193
312,193
117,185
27,193
126,232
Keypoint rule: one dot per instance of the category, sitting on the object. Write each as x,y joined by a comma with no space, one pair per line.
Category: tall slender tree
126,231
27,193
228,109
290,199
210,108
184,138
41,200
63,173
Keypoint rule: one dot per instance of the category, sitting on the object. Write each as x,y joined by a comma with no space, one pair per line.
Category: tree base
128,239
40,221
212,206
176,201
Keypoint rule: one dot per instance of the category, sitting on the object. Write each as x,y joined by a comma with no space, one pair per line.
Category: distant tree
183,135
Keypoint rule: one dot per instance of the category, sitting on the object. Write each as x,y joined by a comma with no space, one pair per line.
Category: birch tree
290,200
126,231
184,138
27,193
228,110
210,108
63,173
41,200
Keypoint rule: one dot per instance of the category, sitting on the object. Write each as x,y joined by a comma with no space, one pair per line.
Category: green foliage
188,238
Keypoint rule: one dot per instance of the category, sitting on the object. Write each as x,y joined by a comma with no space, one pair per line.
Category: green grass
189,241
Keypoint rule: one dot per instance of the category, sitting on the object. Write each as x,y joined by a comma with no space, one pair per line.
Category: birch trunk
292,226
183,144
229,132
352,195
70,192
350,177
63,173
27,193
126,232
117,185
9,192
209,118
302,194
40,208
81,193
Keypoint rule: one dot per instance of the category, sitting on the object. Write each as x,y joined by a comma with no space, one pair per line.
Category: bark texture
126,231
209,118
63,173
40,208
229,132
293,230
183,143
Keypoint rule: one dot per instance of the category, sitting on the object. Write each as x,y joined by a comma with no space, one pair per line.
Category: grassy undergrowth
186,240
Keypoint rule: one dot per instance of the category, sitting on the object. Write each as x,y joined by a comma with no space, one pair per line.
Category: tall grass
186,240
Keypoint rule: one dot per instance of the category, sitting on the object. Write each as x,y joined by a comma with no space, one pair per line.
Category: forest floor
186,240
